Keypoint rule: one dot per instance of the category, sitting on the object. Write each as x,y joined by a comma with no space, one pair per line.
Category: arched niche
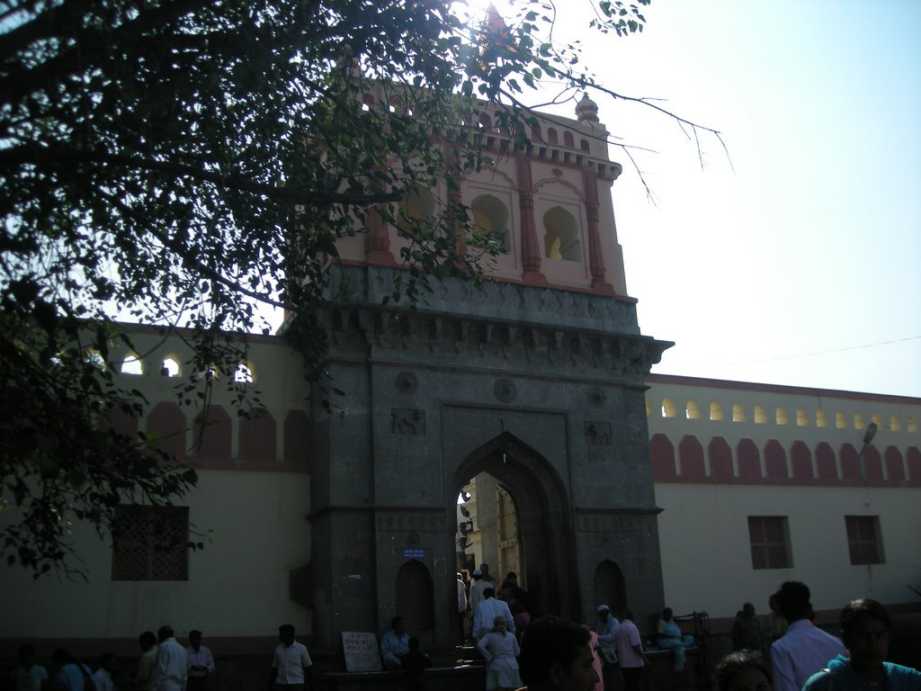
416,210
562,241
415,596
609,587
490,220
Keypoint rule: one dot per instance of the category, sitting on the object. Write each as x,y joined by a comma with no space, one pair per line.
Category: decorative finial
587,109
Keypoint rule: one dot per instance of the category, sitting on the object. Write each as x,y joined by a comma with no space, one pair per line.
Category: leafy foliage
186,162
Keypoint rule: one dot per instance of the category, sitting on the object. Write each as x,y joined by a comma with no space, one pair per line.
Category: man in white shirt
804,649
486,612
481,581
461,604
291,664
102,677
172,667
630,654
606,628
201,662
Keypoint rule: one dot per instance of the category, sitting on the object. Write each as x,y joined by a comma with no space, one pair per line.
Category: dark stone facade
542,388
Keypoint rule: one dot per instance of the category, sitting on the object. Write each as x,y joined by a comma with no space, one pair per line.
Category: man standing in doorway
291,664
481,581
486,612
461,605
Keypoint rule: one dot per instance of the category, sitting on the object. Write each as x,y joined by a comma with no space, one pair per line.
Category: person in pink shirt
596,661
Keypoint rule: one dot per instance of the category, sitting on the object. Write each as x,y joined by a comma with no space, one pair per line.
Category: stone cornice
438,335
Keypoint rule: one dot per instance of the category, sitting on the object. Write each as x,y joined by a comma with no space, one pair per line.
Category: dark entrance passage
530,526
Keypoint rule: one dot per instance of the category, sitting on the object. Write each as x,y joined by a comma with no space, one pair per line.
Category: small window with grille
150,543
770,542
864,540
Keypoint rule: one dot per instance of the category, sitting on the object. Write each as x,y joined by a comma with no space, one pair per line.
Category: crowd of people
164,664
547,654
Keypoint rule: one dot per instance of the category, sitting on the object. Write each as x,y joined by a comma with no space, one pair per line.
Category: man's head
555,654
667,614
793,601
865,628
488,593
164,632
748,610
195,639
499,624
603,612
460,576
147,640
484,570
398,625
286,634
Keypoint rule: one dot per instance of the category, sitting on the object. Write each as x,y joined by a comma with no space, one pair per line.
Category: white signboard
361,652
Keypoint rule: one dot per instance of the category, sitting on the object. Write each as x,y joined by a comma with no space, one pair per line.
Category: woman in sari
670,637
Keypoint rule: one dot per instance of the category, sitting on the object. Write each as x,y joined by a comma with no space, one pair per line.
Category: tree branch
54,157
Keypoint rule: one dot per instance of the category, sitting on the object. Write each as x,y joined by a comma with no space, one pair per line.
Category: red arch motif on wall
166,426
213,436
691,459
257,439
913,461
720,455
895,469
801,457
749,461
662,457
775,461
825,463
850,466
874,465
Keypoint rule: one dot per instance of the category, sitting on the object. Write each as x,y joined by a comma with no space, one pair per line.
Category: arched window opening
668,408
820,419
244,373
568,140
738,412
692,410
170,367
610,588
802,418
716,412
858,421
781,417
415,599
760,415
561,236
894,423
485,121
552,136
840,421
584,145
132,364
911,425
876,419
536,136
417,209
490,222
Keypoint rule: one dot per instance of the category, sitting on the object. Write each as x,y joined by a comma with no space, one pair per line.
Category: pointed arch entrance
547,547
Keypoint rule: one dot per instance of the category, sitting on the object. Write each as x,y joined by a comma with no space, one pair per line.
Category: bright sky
803,265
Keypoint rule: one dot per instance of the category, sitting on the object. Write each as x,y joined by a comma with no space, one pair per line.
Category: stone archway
544,520
610,588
